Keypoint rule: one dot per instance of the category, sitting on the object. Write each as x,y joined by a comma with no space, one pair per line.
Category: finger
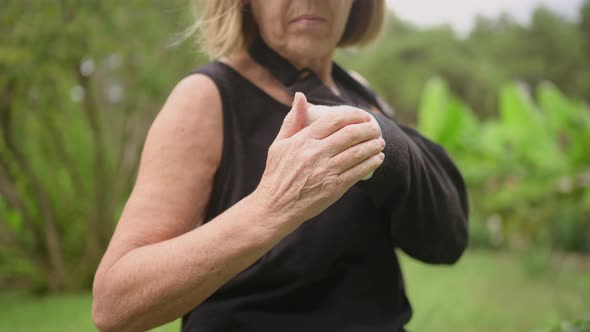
368,176
356,155
351,135
360,171
296,119
313,113
327,125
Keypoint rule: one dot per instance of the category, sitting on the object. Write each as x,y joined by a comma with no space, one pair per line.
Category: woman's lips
308,19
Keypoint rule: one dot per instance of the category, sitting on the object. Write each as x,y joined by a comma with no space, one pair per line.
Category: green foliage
498,50
580,325
79,85
527,171
445,118
80,82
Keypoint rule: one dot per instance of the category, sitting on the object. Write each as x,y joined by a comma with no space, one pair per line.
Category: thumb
296,119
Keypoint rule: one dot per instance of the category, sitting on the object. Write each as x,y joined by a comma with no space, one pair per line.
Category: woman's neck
321,66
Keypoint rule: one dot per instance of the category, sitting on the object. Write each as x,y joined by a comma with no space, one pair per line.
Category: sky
461,13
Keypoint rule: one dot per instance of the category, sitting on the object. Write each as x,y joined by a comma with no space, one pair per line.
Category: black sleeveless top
336,272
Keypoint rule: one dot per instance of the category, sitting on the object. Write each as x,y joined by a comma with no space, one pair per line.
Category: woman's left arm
425,193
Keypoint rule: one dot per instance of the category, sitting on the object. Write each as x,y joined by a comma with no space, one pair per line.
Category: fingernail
382,143
381,155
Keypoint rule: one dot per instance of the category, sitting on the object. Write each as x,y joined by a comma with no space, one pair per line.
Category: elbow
101,317
456,245
442,246
456,249
104,311
101,320
456,221
105,320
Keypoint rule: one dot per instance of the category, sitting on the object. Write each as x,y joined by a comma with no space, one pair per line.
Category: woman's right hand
309,168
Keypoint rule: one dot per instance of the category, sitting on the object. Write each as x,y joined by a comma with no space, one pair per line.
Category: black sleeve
424,194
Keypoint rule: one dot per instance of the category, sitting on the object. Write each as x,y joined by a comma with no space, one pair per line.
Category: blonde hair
226,26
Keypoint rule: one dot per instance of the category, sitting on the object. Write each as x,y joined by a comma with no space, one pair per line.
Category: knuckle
357,155
351,134
354,113
336,122
332,163
309,154
315,154
357,113
330,182
305,155
297,140
275,148
340,180
360,113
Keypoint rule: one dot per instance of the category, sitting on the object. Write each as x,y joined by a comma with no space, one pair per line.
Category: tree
80,84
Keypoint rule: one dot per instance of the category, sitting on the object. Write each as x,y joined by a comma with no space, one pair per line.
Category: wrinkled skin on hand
309,167
315,112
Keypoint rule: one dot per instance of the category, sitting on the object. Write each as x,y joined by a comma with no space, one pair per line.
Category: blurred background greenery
81,81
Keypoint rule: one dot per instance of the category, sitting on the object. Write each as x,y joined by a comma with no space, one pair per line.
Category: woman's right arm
161,262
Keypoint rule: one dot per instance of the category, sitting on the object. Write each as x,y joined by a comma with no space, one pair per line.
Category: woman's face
301,29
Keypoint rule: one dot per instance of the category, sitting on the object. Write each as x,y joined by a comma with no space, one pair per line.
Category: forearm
426,195
158,283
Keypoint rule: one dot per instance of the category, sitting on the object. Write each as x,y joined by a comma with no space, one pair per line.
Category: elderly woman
257,210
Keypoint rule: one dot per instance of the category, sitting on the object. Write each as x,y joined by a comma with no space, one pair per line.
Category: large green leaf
570,120
529,137
434,107
446,119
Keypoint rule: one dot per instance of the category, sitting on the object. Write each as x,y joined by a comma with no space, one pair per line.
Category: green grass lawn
496,292
484,292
